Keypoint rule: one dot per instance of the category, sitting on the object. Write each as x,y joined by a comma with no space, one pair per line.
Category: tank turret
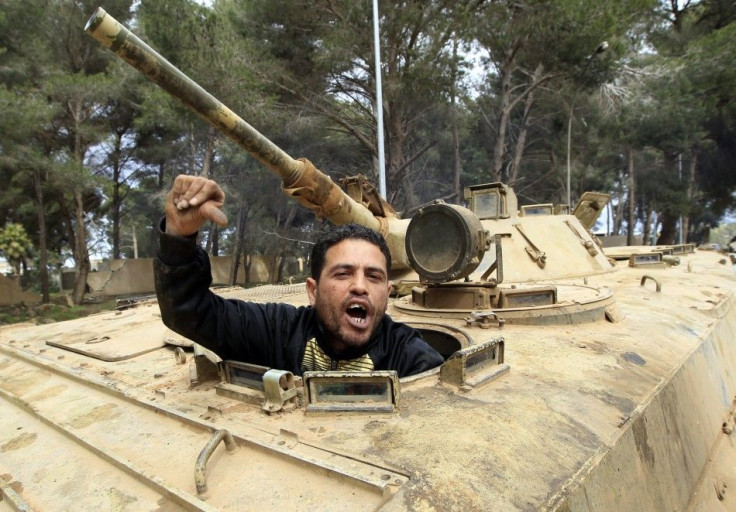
451,258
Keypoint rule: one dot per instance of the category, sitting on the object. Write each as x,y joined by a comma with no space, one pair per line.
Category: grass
55,311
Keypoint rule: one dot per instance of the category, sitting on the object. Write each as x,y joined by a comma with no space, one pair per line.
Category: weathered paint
590,417
593,415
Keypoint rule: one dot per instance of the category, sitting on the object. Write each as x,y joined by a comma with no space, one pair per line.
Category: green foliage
15,245
723,234
319,56
85,140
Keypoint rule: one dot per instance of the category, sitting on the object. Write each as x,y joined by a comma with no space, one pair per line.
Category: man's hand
192,201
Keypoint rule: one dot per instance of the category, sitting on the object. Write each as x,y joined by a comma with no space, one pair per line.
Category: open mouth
357,314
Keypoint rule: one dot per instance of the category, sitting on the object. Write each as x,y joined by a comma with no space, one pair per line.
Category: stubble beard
340,336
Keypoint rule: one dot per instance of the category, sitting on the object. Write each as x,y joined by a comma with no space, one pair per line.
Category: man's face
352,292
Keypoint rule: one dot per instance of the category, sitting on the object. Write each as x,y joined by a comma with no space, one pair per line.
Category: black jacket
273,335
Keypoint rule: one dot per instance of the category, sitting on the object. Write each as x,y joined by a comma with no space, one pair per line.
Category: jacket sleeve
233,329
419,357
403,349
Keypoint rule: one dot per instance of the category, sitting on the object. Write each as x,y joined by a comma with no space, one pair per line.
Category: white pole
379,104
569,135
679,173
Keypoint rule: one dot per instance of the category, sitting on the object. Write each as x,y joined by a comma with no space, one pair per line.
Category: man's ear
312,290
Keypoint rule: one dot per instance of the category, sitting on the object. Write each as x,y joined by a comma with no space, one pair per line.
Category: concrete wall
10,293
135,276
124,277
618,240
221,269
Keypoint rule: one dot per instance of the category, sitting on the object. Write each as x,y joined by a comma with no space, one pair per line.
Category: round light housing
445,242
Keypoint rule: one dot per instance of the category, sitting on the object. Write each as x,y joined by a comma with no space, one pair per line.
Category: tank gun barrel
300,179
114,36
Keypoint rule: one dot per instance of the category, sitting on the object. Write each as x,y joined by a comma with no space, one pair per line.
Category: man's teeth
360,310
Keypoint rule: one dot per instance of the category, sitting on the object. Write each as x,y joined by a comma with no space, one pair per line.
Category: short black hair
345,232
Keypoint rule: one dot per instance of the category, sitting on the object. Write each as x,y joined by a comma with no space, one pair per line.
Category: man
344,328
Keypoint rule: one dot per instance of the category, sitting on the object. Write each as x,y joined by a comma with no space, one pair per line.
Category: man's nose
359,283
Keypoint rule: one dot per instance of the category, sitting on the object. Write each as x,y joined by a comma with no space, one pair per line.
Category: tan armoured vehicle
574,380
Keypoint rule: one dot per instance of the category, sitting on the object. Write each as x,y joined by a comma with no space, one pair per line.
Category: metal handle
645,277
200,477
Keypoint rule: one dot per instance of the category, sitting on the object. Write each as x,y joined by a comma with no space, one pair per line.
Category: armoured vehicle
575,379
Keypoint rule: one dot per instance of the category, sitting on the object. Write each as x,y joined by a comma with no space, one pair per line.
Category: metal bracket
589,246
362,191
532,250
280,391
485,320
497,265
14,500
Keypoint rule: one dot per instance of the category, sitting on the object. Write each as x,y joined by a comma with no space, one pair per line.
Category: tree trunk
455,134
618,215
207,228
192,150
521,140
116,201
43,256
81,252
161,175
395,135
499,148
247,261
238,244
212,246
273,266
282,264
632,198
232,275
279,254
209,153
410,198
395,157
647,234
690,194
669,229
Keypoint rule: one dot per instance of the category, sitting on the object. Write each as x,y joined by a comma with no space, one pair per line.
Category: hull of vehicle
626,414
